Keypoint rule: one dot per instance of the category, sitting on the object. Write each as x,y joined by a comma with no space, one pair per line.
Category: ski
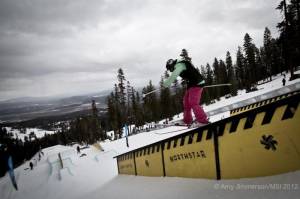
208,86
173,131
216,85
170,125
192,125
177,130
145,94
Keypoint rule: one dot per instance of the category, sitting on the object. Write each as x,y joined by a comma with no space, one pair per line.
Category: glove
202,83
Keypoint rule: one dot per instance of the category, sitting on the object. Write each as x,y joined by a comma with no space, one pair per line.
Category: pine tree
121,86
119,111
138,111
250,66
137,117
94,109
216,93
240,68
205,94
165,99
223,77
177,98
277,59
114,111
260,64
95,124
150,110
268,52
263,70
230,75
209,80
209,75
122,91
290,34
128,115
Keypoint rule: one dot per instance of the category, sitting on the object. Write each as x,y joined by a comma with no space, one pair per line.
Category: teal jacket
179,68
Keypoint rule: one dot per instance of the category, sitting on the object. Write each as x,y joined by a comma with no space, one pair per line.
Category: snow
80,176
150,137
38,132
128,187
93,173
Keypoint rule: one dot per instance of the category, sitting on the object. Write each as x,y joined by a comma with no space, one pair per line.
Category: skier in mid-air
194,80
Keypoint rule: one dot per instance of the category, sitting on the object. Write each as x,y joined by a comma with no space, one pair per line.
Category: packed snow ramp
258,142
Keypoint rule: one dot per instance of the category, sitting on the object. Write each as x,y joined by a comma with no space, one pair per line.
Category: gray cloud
58,46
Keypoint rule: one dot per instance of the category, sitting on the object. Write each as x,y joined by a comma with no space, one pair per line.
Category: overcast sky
70,47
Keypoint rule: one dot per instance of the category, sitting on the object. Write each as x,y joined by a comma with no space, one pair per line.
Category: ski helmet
170,64
184,53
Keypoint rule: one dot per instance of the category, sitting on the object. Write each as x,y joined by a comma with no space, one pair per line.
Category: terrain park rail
263,140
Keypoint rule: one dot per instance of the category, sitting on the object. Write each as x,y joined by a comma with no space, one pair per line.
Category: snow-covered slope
94,174
129,187
80,176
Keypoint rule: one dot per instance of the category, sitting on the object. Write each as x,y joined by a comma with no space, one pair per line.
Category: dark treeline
289,39
252,65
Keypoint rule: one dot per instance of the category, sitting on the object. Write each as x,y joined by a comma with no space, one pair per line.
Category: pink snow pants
191,101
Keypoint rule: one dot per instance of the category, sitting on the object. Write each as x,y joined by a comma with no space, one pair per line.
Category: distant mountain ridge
27,108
